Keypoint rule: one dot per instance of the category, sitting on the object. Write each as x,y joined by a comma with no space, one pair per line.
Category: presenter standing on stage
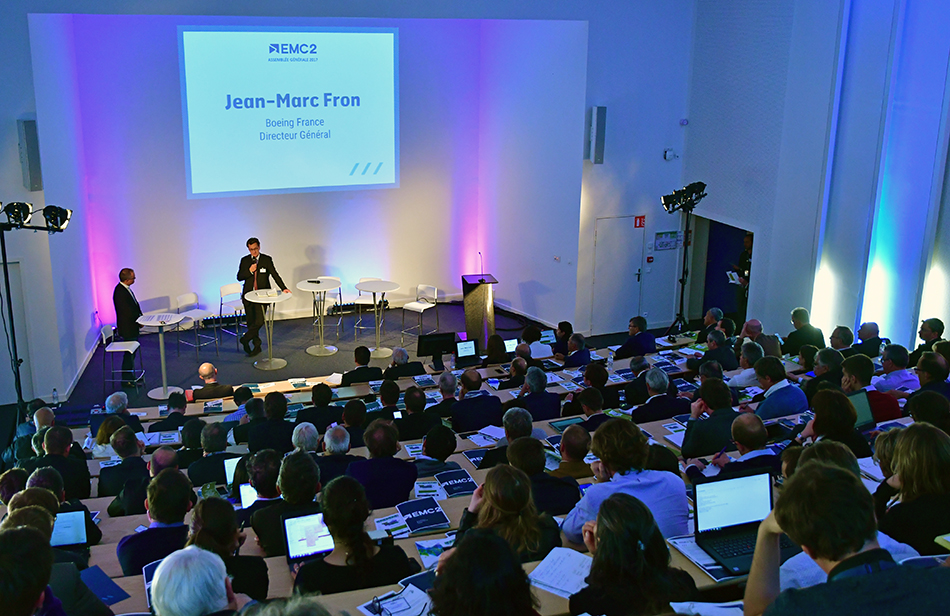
127,310
255,272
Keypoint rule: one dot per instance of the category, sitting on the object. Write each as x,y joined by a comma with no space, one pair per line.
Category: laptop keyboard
731,547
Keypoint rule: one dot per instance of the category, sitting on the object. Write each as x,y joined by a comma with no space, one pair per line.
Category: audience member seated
191,450
275,433
388,480
525,351
306,439
389,399
531,335
75,473
577,352
21,449
354,414
804,333
856,374
870,337
319,413
363,373
592,406
241,396
660,404
640,343
193,582
706,437
26,565
214,527
630,572
711,370
240,478
942,348
596,376
336,458
728,327
210,468
884,446
118,404
931,407
718,352
211,389
299,482
895,359
401,367
11,482
519,366
827,370
169,500
828,511
176,414
574,446
355,562
751,437
635,393
503,504
438,444
710,322
841,339
932,370
750,353
561,335
416,423
781,398
542,404
131,498
28,426
50,479
931,331
473,413
296,605
128,447
551,495
447,385
37,507
263,472
662,458
921,465
495,352
834,420
517,424
622,450
752,330
100,446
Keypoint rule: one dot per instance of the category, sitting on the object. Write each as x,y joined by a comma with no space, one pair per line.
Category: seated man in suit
176,414
131,498
932,370
592,403
577,352
532,337
475,412
211,389
415,423
781,398
717,351
447,385
751,438
354,416
640,343
751,352
841,339
706,437
870,340
168,501
128,447
710,370
363,373
263,471
574,447
517,423
525,352
26,564
519,367
931,330
319,413
401,367
804,333
635,392
561,335
856,374
190,450
543,405
50,479
275,433
118,404
241,396
660,404
389,399
253,418
388,480
827,370
728,327
210,468
336,458
299,482
552,495
710,321
895,360
753,330
596,376
57,443
21,449
437,446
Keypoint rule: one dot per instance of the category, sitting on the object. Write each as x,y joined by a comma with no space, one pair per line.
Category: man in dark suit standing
660,405
641,342
255,271
363,373
127,310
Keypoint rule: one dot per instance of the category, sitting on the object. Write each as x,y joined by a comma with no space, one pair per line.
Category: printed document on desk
562,572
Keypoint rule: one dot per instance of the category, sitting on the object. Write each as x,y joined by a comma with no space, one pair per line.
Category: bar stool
360,301
231,305
426,297
110,347
194,318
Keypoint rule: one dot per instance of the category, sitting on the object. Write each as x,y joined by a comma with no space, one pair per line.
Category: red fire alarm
649,259
639,222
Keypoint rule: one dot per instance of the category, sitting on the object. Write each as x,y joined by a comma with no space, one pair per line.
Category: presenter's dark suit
255,312
637,346
473,414
660,407
127,310
362,374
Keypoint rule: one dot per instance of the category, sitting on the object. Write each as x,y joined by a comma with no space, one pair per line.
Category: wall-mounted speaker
29,154
596,131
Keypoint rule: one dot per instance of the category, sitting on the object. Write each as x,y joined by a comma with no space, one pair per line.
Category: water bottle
55,397
610,361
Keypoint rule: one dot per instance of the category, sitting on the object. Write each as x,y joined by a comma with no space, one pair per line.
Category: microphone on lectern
481,267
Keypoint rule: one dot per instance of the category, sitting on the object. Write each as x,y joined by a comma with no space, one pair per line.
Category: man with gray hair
192,582
517,423
751,353
660,405
542,405
401,367
717,351
577,352
804,333
827,369
118,404
753,330
447,386
870,336
336,444
710,321
306,438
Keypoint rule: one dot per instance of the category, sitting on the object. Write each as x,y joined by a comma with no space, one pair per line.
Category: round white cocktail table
161,321
319,287
381,287
265,297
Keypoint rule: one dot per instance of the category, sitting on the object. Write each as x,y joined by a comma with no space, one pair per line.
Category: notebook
306,537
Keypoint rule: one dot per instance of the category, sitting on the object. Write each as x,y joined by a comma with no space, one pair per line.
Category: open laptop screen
248,495
510,345
465,348
731,502
69,529
306,535
548,337
863,408
229,465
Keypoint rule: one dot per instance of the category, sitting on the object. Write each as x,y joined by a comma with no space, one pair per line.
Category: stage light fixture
57,218
685,198
18,213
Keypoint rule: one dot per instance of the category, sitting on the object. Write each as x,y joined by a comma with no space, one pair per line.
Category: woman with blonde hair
504,504
921,465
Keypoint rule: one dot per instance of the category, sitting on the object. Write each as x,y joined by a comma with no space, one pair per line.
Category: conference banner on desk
278,110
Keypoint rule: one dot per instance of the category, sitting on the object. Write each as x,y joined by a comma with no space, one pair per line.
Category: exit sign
639,222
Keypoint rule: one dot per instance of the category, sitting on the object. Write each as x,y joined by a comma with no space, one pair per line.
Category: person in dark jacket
751,438
551,495
176,414
276,433
49,478
128,447
718,351
706,437
660,405
211,389
416,423
299,482
253,418
190,449
473,412
336,458
320,413
401,367
543,405
387,479
363,373
75,473
210,468
437,446
804,333
169,500
827,370
835,417
640,343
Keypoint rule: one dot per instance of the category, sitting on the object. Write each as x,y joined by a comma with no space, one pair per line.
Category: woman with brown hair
921,465
504,504
495,352
834,420
214,528
101,447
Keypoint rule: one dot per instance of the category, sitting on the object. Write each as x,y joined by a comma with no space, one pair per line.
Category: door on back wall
618,267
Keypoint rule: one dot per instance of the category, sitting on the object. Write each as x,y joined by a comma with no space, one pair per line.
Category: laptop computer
862,405
229,465
306,537
69,531
510,346
248,495
560,425
728,512
548,337
466,354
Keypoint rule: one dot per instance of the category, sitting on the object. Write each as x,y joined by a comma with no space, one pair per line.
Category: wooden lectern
479,303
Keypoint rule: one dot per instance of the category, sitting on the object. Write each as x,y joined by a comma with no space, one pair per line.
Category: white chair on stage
110,347
231,305
361,301
193,318
427,296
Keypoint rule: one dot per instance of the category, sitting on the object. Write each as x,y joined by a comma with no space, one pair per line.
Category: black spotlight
57,218
18,213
